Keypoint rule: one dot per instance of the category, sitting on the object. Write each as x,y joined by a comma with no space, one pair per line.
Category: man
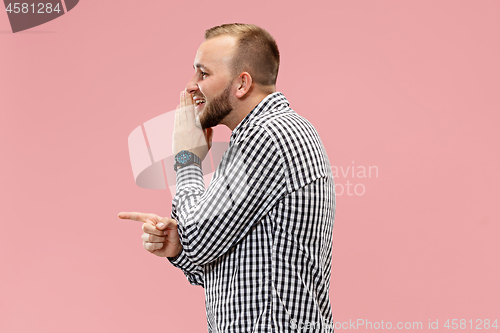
259,238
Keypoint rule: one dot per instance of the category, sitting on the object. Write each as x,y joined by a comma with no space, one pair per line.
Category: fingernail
160,225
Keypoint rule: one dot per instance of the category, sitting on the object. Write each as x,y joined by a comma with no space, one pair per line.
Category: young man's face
211,84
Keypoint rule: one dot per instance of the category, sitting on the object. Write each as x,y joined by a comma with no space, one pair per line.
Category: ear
244,84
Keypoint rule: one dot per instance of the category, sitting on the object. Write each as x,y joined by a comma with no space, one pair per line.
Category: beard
216,109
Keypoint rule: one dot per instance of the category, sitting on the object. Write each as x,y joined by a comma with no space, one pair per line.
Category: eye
203,75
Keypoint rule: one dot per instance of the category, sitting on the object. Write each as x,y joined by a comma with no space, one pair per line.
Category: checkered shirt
259,238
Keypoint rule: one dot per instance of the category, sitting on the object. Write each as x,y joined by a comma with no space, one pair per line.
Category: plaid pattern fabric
259,238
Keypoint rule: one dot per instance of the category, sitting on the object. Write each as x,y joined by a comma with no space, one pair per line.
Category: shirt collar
266,105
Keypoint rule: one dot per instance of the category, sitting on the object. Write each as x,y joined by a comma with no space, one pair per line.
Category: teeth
198,101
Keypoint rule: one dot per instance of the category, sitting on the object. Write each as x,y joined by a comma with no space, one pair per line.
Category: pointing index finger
141,217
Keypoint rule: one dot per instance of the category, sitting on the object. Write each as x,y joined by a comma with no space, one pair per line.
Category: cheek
202,89
210,88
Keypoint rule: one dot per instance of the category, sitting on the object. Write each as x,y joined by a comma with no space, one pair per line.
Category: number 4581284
25,8
462,324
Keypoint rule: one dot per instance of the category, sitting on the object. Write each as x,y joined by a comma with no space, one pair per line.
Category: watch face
183,157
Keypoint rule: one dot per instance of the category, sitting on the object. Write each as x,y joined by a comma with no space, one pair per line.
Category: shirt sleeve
194,273
248,182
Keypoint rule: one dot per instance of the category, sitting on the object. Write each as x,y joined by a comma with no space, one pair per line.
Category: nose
192,86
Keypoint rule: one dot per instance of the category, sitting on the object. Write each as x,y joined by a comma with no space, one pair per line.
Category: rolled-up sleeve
193,273
248,182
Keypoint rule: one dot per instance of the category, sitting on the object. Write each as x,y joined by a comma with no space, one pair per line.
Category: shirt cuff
190,176
182,262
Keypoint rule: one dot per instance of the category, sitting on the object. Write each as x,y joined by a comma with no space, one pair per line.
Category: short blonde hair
257,52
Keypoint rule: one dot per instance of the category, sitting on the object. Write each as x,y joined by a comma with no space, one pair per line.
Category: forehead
215,53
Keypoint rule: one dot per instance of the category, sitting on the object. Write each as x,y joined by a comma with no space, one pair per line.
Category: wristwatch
185,157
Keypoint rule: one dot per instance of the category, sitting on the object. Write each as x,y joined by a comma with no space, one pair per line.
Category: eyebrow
200,66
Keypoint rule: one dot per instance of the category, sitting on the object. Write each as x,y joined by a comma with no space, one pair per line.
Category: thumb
166,223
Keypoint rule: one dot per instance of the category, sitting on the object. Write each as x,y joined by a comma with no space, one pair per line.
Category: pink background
411,87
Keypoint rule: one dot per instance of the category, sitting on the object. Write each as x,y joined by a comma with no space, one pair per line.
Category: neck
244,106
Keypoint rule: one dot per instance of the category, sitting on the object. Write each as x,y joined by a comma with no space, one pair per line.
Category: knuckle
147,227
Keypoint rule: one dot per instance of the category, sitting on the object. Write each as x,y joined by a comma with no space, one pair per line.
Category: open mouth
199,103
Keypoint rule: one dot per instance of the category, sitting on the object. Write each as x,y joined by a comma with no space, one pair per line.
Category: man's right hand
160,235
